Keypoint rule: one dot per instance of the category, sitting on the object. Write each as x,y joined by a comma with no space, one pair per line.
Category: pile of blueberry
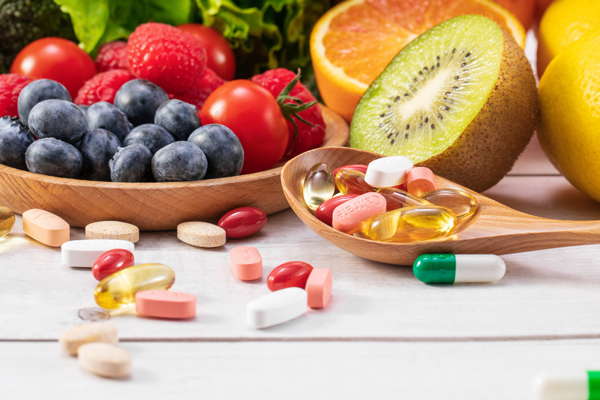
144,136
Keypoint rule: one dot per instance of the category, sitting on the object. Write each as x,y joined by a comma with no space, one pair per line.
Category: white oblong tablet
388,171
276,307
106,360
83,253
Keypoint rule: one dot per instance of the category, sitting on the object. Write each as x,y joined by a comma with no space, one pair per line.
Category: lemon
563,23
569,129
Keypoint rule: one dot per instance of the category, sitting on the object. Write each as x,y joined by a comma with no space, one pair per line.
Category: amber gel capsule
7,220
118,290
464,205
318,186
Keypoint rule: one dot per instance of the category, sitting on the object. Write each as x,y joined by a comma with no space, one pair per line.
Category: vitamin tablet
71,339
201,234
353,167
243,222
420,180
46,227
318,287
7,220
572,386
276,307
112,230
353,215
459,268
246,263
388,171
289,274
110,262
325,211
84,253
106,360
165,304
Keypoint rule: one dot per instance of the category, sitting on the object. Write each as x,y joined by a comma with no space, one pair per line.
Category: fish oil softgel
118,290
350,181
319,186
465,206
396,198
7,220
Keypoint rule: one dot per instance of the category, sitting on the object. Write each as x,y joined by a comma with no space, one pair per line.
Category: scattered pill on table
84,253
71,339
201,234
46,228
420,180
106,360
318,186
353,215
246,263
165,304
318,287
7,220
112,261
572,386
325,211
112,230
93,314
289,274
243,222
388,171
459,268
276,308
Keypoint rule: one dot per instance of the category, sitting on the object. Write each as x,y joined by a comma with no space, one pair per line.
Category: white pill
106,360
83,253
71,339
572,386
276,307
388,171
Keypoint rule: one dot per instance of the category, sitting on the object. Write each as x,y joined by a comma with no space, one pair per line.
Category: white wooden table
383,335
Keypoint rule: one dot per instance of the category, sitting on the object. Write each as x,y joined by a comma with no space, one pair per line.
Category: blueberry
104,115
14,141
37,91
139,100
179,161
154,137
97,148
222,149
54,157
131,164
178,117
59,119
84,108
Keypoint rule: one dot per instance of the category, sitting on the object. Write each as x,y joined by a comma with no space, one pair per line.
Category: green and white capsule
577,386
459,268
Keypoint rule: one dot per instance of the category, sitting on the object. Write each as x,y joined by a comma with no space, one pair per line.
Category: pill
289,274
71,339
571,386
325,211
112,230
388,171
246,263
83,253
106,360
46,227
243,222
353,215
165,304
276,307
459,268
201,234
409,224
318,287
118,290
318,186
397,198
420,180
110,262
463,204
353,167
7,220
349,181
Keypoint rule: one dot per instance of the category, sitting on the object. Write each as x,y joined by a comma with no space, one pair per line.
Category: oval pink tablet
246,263
165,304
318,287
420,180
351,216
46,227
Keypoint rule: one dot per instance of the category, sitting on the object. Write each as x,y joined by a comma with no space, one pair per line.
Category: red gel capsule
355,167
290,274
243,222
110,262
325,211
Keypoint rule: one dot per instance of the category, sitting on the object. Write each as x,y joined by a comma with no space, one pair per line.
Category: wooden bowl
152,206
498,230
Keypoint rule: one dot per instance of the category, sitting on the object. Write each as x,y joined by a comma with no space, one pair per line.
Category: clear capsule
464,205
7,220
319,185
350,181
396,198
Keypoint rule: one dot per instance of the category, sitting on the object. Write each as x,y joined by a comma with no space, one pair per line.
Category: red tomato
252,113
58,59
220,56
110,262
243,222
290,274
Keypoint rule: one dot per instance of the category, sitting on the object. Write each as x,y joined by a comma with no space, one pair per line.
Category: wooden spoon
499,229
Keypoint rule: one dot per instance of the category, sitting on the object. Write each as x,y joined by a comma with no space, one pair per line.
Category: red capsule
243,222
110,262
355,167
290,274
325,211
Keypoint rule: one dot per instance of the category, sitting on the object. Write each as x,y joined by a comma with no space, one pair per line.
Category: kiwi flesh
460,99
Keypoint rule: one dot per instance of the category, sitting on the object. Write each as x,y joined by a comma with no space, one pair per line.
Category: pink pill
246,263
420,180
318,287
165,304
351,216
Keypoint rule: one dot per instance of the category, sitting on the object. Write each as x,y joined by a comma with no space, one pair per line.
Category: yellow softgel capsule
411,224
7,220
464,205
118,290
349,181
318,185
396,198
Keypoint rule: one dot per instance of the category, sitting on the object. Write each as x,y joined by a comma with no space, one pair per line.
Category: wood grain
152,206
499,229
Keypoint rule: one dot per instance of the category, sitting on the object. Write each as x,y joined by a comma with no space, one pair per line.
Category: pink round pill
318,287
165,304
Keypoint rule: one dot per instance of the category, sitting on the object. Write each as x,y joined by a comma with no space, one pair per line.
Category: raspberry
166,56
112,55
10,87
197,96
102,87
308,137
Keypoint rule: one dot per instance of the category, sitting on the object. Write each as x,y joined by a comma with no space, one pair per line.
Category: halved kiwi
460,99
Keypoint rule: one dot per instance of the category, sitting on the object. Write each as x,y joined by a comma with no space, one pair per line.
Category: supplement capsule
396,198
7,220
289,274
355,167
319,185
118,290
411,224
325,211
574,386
464,205
349,181
459,268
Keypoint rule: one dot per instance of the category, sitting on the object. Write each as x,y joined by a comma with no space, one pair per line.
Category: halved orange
354,41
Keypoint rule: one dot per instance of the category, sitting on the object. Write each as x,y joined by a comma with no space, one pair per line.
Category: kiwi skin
488,148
